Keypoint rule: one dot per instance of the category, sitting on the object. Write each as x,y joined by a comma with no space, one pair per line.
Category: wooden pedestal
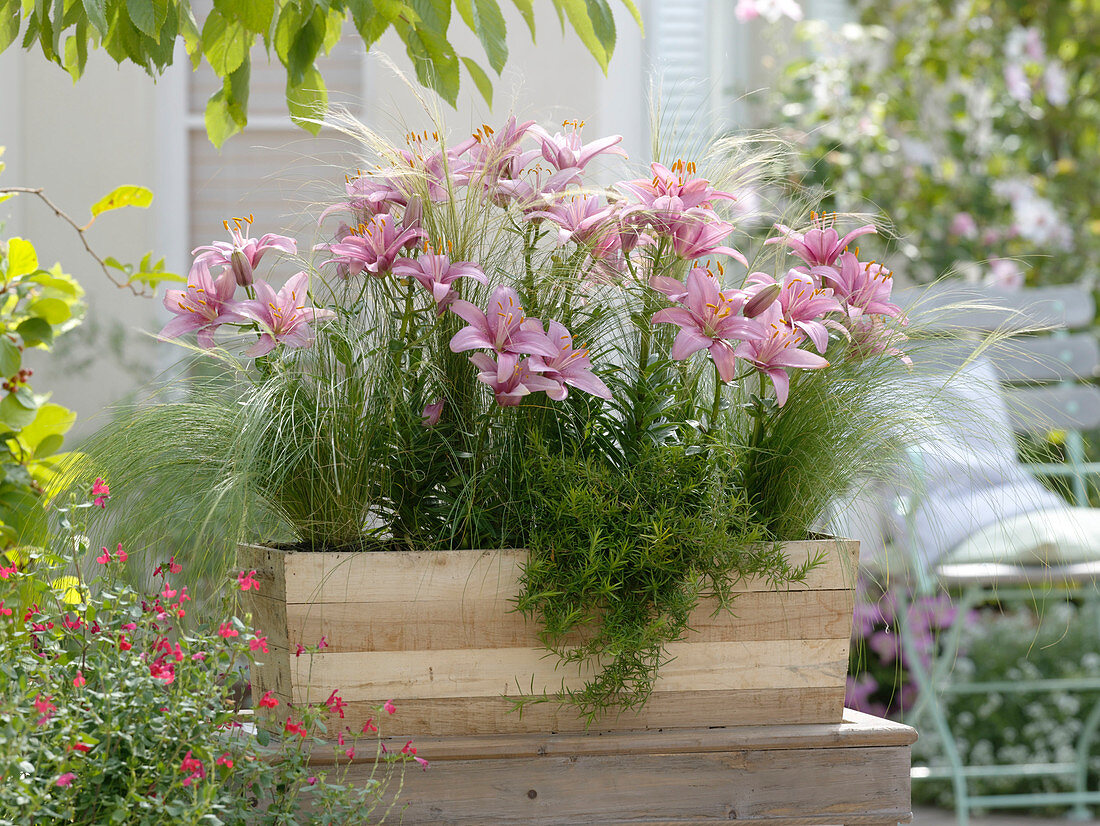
849,773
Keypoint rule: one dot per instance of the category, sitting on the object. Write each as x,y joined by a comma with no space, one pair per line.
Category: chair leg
928,689
1084,748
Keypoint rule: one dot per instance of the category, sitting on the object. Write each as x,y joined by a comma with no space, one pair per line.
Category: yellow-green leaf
22,259
123,196
70,589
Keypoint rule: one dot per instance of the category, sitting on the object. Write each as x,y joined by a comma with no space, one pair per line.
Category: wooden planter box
433,631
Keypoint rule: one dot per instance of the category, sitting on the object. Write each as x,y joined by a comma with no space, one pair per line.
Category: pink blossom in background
1004,273
770,10
1019,88
963,225
101,492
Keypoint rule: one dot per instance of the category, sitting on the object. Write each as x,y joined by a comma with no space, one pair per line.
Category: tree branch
60,213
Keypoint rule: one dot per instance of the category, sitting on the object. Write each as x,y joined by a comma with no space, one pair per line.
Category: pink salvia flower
79,680
421,762
567,152
101,493
247,579
436,274
282,317
268,700
258,644
44,707
104,557
227,630
389,707
7,570
65,779
336,703
242,254
571,366
501,328
778,350
202,307
373,246
710,319
820,246
193,768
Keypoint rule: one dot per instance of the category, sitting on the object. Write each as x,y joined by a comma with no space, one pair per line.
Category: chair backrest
1047,369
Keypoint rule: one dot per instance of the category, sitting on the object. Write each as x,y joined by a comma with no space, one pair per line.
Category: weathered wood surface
855,772
434,632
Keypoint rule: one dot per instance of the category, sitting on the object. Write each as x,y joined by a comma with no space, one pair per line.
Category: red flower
336,704
408,748
6,572
268,700
294,728
258,644
224,760
79,680
299,650
101,493
65,779
350,753
227,630
123,643
193,768
390,707
81,747
248,580
323,643
369,725
104,557
423,763
4,611
44,707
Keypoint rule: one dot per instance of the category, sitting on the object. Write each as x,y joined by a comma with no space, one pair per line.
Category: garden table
848,773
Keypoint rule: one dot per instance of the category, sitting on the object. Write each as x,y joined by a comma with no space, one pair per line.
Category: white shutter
679,33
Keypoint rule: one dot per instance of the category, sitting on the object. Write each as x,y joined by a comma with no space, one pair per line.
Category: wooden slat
950,307
792,786
1040,409
431,576
491,623
855,730
665,710
509,671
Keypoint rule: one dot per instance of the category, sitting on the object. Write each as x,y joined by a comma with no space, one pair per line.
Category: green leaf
52,310
307,101
48,446
369,22
637,15
236,88
97,15
254,15
220,123
304,48
10,358
35,331
22,259
434,59
595,25
527,11
13,414
481,80
76,51
123,196
485,19
225,44
52,420
9,22
290,19
148,16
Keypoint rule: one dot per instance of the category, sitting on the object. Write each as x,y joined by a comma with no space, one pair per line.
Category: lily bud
242,268
414,211
762,300
432,412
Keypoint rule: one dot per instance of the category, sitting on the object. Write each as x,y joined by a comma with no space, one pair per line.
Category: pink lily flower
802,302
695,238
372,246
510,378
571,365
871,337
864,288
778,349
498,154
441,169
436,274
580,219
672,191
282,317
567,152
243,254
503,329
820,246
533,189
710,319
203,306
368,195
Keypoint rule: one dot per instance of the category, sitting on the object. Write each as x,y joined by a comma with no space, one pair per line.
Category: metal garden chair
1042,378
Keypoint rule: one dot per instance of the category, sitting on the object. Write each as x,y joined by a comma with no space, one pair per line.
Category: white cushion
1050,537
